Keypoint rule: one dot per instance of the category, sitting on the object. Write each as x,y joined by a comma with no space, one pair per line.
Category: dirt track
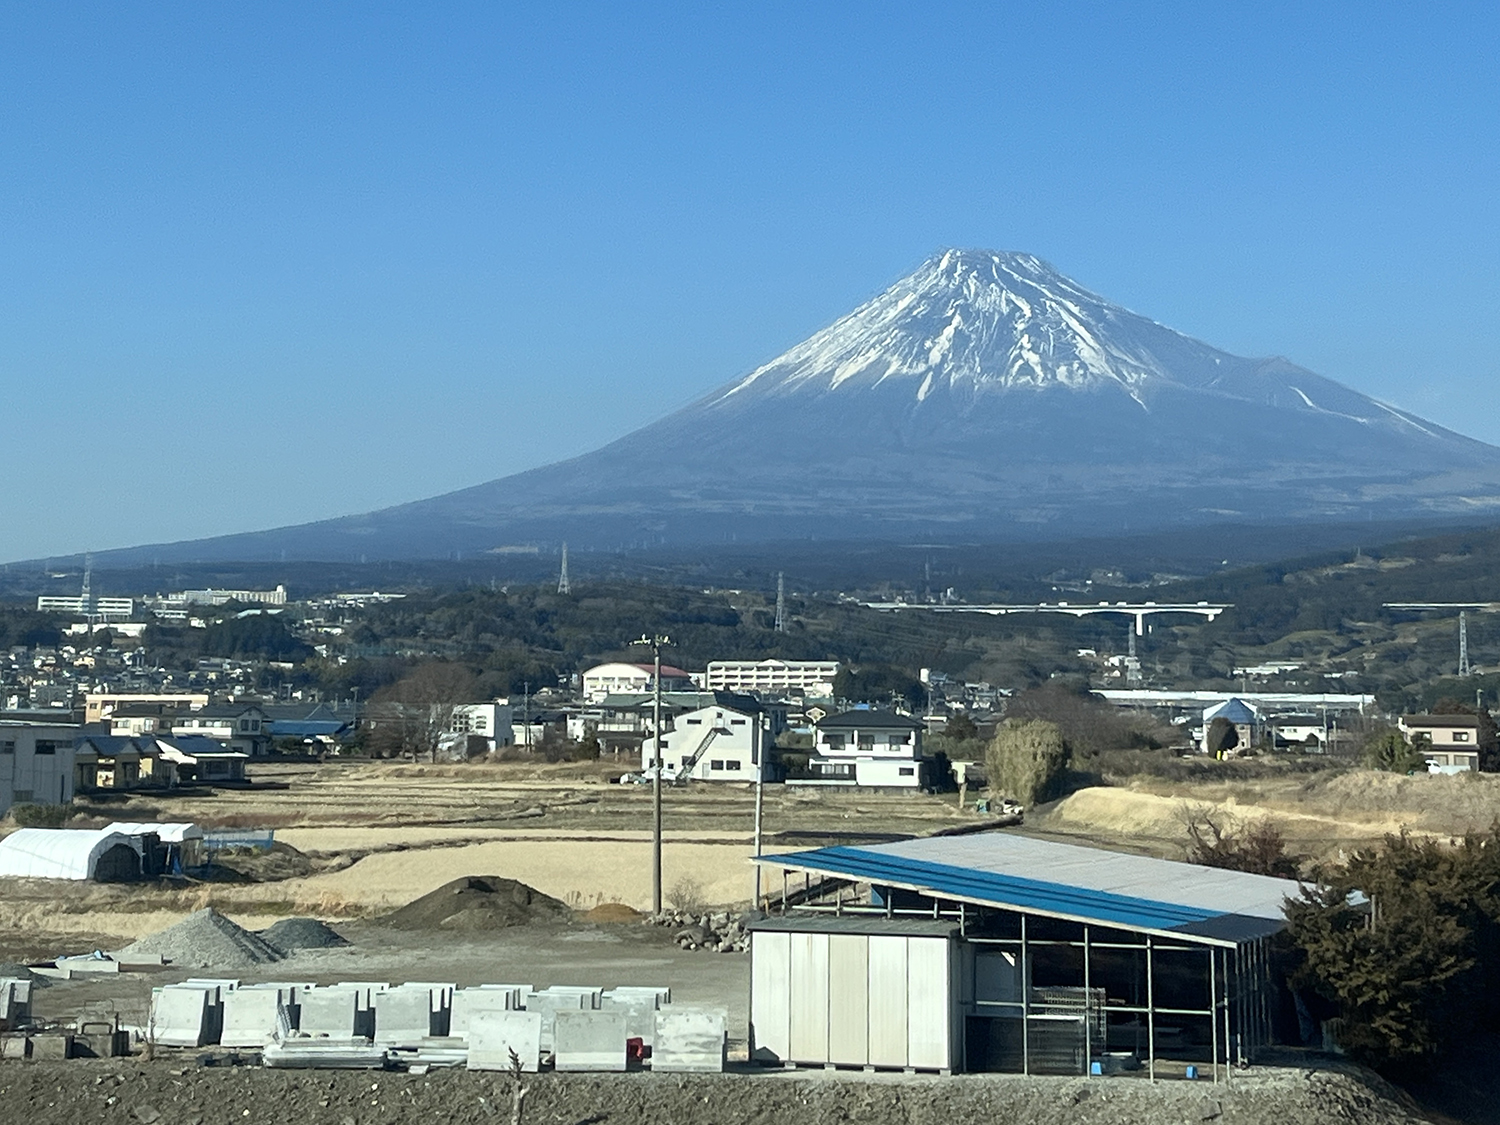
176,1092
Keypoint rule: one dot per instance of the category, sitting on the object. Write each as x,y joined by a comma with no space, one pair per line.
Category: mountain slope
984,397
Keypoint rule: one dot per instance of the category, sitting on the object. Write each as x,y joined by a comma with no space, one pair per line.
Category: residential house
133,720
715,743
238,726
869,747
100,705
1454,740
36,764
112,761
472,724
1241,715
197,757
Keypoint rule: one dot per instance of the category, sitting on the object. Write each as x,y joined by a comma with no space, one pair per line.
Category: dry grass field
372,836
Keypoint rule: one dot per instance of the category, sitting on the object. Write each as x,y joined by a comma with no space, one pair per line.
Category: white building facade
492,722
772,677
714,744
875,748
36,764
622,679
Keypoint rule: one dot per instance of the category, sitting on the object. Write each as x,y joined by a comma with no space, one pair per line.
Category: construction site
398,932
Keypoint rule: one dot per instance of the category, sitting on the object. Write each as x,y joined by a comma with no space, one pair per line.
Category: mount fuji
986,397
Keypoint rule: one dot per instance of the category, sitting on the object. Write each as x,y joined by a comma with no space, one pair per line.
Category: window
900,739
833,739
736,722
7,747
716,765
866,742
907,771
694,722
46,747
731,764
23,796
245,725
1460,736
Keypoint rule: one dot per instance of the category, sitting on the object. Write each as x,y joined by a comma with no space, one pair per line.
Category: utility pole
655,642
1463,643
526,712
563,585
780,602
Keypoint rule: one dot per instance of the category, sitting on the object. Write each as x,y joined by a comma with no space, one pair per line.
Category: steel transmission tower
780,602
1463,644
563,585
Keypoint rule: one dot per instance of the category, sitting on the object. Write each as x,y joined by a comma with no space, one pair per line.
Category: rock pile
292,934
206,939
716,933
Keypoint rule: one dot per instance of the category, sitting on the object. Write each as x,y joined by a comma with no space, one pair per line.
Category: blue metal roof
1087,885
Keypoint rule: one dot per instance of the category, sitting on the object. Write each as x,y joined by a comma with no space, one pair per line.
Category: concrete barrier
589,1040
253,1017
403,1014
183,1017
548,1003
329,1012
494,1035
689,1040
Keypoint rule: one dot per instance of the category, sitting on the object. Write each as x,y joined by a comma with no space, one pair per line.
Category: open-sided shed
1032,956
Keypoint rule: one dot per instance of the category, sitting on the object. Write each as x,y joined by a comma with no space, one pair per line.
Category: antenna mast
563,585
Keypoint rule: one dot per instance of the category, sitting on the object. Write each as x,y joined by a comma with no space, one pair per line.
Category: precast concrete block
689,1040
494,1035
589,1040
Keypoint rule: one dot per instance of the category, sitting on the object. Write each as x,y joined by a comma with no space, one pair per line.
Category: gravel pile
14,970
206,939
291,934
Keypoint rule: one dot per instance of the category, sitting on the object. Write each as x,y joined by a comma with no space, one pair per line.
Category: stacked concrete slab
493,1035
15,1003
547,1002
468,1002
639,1006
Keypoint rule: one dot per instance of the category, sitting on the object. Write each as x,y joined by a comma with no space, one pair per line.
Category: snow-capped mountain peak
969,321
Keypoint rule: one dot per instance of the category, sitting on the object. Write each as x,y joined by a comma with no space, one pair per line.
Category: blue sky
261,264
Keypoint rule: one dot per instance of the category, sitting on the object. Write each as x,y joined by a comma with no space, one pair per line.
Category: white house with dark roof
1452,740
868,747
715,743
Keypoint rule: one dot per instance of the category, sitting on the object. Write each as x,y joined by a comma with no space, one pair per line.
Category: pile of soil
613,912
479,902
259,865
206,939
291,934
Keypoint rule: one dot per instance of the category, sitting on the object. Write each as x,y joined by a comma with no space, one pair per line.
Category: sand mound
613,912
206,939
478,902
291,934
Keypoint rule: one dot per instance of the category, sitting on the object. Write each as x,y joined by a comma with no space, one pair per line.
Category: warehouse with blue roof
1003,952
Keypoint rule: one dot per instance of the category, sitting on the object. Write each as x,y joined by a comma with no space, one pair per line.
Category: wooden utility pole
656,765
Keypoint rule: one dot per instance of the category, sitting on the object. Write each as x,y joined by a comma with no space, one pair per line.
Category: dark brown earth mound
479,902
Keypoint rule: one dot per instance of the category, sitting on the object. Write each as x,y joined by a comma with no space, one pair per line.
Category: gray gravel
206,939
291,934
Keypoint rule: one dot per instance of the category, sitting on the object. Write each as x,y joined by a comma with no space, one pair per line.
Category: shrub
1027,760
39,816
686,895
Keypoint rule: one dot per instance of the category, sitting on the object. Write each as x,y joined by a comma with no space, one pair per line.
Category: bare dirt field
173,1094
